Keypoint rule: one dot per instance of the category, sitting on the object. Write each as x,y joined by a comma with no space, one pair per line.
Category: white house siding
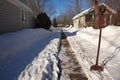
34,6
75,22
82,18
79,22
11,19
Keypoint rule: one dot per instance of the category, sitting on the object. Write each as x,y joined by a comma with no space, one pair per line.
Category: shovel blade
96,68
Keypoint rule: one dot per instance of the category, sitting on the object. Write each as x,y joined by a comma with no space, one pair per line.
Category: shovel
96,67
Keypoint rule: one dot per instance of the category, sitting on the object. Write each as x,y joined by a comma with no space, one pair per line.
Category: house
86,18
17,14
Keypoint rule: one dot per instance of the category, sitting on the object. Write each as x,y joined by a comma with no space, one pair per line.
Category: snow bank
85,45
18,49
57,29
13,44
44,66
70,29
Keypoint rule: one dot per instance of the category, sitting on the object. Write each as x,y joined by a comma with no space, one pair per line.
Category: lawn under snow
85,46
29,54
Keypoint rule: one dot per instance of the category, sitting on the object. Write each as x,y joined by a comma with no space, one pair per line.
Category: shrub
43,21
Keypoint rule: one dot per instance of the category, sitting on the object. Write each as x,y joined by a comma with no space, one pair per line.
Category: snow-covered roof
82,13
109,8
91,9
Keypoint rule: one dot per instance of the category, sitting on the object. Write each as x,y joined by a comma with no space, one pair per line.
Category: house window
23,16
88,17
75,21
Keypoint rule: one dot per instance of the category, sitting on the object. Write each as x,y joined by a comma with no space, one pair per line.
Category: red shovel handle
100,33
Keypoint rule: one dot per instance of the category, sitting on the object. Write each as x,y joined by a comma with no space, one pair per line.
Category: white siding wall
11,19
79,22
76,22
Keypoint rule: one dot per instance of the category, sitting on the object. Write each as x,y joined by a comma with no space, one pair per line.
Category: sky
61,4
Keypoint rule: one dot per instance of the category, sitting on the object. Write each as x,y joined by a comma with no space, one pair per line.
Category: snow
32,54
44,66
27,50
85,46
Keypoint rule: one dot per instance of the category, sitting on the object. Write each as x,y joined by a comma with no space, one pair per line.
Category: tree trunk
96,14
77,7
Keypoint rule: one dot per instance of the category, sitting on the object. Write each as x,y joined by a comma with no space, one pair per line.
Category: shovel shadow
116,51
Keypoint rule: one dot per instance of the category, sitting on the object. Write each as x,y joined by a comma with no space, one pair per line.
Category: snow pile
44,66
57,29
12,44
26,48
70,29
85,46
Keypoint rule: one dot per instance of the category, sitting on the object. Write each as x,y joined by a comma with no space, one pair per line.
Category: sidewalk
70,68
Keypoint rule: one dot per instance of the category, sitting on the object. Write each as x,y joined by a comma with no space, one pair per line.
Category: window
23,16
75,21
88,17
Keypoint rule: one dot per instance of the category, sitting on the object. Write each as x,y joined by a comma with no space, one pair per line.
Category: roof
91,9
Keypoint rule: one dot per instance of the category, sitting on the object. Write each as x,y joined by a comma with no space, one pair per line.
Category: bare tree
41,5
89,3
50,9
115,4
45,6
55,22
70,12
63,19
77,6
66,17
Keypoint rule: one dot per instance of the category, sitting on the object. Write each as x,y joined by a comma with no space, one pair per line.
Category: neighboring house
86,18
17,14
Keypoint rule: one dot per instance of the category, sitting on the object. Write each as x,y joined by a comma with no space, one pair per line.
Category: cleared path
70,68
